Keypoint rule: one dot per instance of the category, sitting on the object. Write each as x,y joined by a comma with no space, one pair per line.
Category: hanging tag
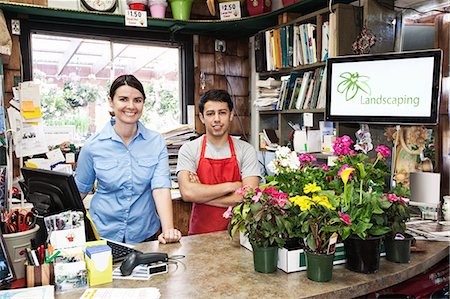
136,18
230,10
332,244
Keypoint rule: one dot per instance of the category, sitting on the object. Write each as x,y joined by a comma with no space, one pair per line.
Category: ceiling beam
105,60
68,54
145,59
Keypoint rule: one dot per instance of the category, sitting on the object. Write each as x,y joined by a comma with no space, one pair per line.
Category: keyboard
119,251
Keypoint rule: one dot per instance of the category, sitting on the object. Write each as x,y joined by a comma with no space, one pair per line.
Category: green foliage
398,212
367,214
315,218
292,183
261,216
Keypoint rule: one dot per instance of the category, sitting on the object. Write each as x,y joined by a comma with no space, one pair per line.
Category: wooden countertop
217,267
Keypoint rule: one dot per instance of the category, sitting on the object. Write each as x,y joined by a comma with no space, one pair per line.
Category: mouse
137,258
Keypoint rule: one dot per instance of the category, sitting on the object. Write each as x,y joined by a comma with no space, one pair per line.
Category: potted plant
315,214
262,217
397,243
360,180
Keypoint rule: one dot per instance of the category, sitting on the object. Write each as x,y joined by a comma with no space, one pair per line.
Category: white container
16,244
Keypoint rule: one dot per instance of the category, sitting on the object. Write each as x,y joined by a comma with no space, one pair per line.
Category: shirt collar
108,131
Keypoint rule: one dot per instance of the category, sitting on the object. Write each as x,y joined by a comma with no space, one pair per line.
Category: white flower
271,166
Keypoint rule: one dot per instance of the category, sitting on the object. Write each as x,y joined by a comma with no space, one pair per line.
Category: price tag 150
230,10
136,18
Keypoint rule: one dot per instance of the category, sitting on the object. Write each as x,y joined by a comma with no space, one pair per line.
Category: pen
52,257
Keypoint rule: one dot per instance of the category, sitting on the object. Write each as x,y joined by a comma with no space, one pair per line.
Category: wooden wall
230,71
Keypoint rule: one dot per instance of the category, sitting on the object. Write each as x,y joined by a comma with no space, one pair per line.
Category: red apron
206,218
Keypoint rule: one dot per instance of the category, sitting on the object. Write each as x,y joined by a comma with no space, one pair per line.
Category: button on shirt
123,208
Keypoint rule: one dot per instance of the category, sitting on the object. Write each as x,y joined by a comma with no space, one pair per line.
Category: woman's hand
170,236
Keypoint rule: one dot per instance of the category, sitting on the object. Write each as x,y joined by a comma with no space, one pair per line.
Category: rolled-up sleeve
84,174
161,176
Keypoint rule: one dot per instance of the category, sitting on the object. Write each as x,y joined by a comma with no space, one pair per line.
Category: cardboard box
295,260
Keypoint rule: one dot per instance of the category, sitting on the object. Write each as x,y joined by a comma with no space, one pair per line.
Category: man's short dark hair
217,95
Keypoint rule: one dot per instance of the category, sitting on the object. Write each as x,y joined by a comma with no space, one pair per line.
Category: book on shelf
269,60
295,92
260,52
306,103
325,39
303,90
270,139
283,46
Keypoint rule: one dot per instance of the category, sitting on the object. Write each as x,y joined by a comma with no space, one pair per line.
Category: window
76,64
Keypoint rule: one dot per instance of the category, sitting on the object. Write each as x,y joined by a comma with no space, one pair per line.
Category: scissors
20,220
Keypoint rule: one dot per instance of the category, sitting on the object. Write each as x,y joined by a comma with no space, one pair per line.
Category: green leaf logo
352,84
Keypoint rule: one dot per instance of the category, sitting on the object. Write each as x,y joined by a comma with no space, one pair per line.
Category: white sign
230,10
136,18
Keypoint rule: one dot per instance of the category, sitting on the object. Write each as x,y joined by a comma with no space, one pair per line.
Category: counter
217,267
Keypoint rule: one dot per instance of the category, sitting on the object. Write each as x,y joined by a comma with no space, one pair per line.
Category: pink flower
342,146
324,167
241,191
383,151
281,202
257,197
271,191
345,218
228,213
306,158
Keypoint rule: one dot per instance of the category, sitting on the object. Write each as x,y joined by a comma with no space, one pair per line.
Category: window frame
129,35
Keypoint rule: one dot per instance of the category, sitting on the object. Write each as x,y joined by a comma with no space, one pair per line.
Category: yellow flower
304,202
323,200
346,173
311,188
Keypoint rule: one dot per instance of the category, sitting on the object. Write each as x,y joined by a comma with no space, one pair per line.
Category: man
213,166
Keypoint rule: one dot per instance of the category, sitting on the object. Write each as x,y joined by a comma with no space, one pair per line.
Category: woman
130,163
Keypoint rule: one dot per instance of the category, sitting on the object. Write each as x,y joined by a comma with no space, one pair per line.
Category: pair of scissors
20,220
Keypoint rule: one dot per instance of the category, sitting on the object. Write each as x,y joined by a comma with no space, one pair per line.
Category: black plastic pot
363,255
398,251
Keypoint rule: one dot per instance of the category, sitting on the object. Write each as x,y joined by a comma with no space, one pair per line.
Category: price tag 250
136,18
230,10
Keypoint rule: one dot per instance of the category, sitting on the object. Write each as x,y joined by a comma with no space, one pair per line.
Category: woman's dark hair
217,95
129,80
122,80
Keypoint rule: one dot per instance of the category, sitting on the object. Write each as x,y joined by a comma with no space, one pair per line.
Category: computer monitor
397,88
52,192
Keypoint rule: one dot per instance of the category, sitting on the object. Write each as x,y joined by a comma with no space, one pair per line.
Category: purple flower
383,151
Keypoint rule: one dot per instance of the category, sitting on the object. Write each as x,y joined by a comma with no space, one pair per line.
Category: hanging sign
230,10
136,18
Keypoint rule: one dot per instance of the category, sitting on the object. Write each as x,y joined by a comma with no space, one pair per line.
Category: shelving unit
243,27
347,27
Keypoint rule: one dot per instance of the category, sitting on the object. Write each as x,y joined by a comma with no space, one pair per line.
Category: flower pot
319,267
265,258
181,9
255,7
16,244
398,251
137,4
363,255
157,8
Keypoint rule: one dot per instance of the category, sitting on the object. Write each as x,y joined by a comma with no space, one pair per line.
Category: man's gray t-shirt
189,156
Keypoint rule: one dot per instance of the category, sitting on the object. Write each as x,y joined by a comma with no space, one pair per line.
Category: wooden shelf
286,71
292,111
243,27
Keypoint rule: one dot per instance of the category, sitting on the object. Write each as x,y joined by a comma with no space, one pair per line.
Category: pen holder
40,275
